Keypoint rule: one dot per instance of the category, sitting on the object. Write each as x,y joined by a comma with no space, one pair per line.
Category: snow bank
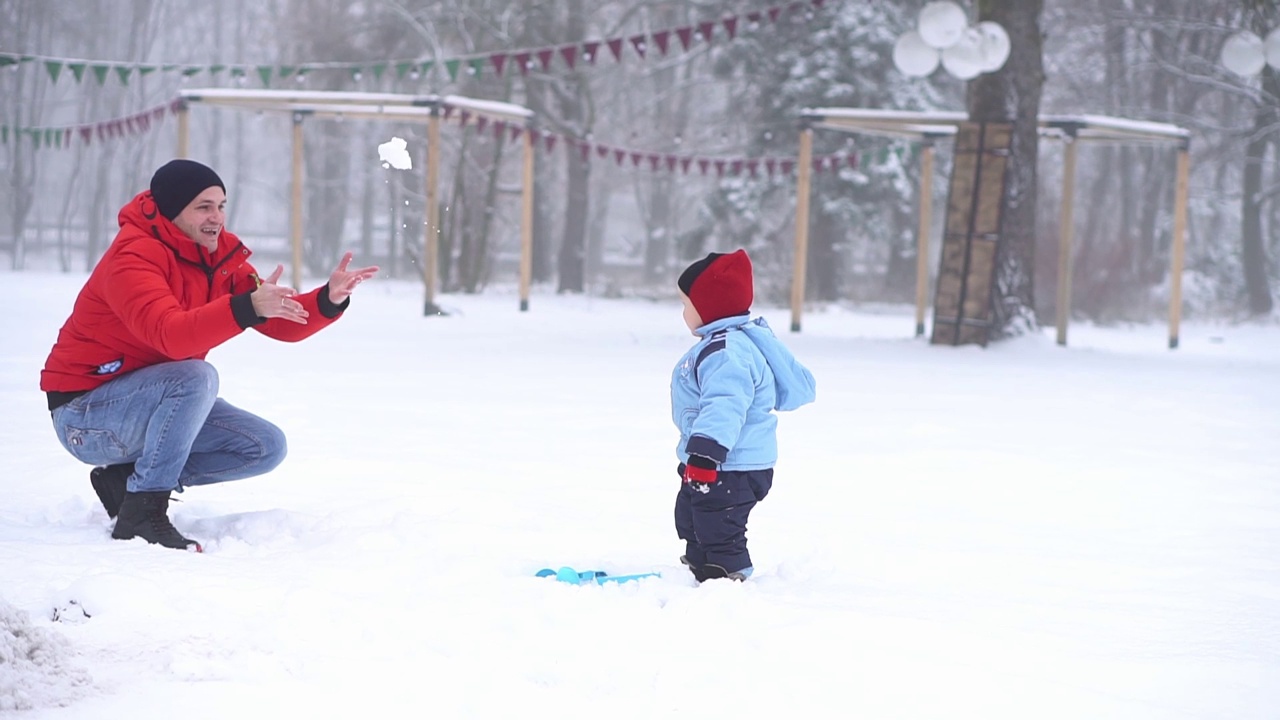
34,670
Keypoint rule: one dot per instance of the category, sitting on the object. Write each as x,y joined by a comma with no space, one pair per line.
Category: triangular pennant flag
619,156
516,131
636,158
639,42
128,125
549,141
853,161
77,69
818,3
735,168
730,26
770,166
754,19
425,67
544,57
464,117
703,164
475,66
86,133
101,129
615,47
451,66
144,70
265,72
819,164
35,138
752,166
589,50
124,71
66,137
499,129
523,60
661,39
570,55
835,162
213,70
238,73
671,163
584,149
100,72
685,34
774,12
705,29
6,60
602,151
482,122
157,114
654,159
446,111
378,70
499,60
719,168
685,162
55,68
403,68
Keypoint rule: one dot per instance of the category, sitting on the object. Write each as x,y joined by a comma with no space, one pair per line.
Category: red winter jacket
157,296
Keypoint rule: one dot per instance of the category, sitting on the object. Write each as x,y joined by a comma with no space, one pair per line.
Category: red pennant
685,34
86,133
128,125
639,42
602,151
66,137
730,26
819,164
523,59
705,29
158,114
853,161
498,60
585,149
446,111
671,163
786,166
101,128
499,127
589,50
818,3
752,167
516,132
835,162
685,162
735,168
654,159
619,156
570,55
719,168
660,39
636,158
544,57
615,47
549,141
703,164
176,105
481,123
774,12
770,166
464,117
754,19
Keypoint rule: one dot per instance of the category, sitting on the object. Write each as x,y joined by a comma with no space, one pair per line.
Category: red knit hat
719,285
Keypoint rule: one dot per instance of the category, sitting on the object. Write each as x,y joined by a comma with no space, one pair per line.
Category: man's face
202,219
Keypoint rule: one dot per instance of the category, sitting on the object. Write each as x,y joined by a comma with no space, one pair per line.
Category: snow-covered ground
1025,531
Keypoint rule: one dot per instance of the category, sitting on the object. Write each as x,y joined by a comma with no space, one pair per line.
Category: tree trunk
1253,242
1012,94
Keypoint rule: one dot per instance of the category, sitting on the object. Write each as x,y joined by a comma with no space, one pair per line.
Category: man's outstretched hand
272,300
344,280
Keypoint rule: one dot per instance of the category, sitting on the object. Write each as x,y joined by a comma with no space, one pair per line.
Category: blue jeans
170,422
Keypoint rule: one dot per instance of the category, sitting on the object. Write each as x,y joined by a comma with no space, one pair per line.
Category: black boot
146,515
110,484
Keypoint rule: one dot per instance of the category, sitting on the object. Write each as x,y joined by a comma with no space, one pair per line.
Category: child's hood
795,384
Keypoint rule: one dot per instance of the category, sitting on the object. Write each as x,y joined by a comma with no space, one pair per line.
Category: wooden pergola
928,127
432,110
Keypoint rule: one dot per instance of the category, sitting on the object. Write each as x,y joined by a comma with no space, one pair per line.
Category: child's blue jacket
725,389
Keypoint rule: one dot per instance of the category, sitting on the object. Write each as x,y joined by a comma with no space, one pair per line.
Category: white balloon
913,57
1243,54
1271,48
941,23
964,59
994,44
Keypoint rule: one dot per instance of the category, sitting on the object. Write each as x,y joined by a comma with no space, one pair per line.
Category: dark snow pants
711,518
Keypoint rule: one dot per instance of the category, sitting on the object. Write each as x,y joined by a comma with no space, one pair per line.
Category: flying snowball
941,24
1243,54
964,58
913,57
994,45
1271,48
393,154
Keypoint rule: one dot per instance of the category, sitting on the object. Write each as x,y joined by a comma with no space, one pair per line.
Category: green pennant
265,72
287,70
425,68
357,73
884,156
452,67
55,68
35,138
168,68
6,60
124,71
402,68
144,70
77,69
238,73
475,66
378,70
100,72
51,140
4,134
213,70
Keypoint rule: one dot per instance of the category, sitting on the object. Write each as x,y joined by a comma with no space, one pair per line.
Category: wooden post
1066,233
526,221
431,229
295,216
184,129
922,235
1179,243
804,172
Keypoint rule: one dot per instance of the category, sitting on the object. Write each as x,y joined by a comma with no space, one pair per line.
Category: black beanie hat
178,182
719,285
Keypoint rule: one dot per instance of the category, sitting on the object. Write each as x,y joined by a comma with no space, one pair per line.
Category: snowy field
1025,531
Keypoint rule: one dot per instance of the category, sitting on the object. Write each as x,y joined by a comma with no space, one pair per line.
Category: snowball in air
393,154
1244,54
913,57
941,23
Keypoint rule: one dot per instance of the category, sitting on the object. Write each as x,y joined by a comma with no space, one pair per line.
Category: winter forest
687,116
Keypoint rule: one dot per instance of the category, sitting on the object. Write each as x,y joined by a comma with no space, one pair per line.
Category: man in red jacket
128,387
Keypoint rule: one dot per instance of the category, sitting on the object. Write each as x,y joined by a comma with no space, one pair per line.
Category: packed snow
1021,531
393,154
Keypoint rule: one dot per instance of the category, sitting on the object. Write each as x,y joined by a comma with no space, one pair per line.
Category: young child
723,394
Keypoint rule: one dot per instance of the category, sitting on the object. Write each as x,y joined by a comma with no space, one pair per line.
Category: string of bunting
64,136
524,60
